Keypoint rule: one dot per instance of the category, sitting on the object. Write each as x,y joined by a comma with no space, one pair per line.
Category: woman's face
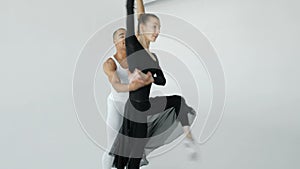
151,29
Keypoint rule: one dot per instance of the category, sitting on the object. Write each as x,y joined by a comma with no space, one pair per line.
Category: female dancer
137,130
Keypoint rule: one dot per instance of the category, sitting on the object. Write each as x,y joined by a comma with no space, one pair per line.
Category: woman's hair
143,19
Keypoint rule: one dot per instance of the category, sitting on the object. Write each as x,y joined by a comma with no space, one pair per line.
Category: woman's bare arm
140,8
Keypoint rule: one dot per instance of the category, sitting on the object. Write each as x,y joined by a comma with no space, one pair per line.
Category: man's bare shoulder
110,64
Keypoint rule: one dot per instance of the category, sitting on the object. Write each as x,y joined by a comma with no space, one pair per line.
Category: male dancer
122,81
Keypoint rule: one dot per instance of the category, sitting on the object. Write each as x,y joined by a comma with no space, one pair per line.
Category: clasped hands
138,79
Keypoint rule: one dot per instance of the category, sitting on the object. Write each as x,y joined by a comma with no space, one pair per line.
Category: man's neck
120,55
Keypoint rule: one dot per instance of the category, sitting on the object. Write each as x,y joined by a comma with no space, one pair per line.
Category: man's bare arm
109,68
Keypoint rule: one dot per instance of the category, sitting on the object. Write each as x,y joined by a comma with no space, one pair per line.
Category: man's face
120,39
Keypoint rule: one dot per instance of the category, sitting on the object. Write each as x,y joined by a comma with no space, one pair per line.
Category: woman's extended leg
176,102
161,125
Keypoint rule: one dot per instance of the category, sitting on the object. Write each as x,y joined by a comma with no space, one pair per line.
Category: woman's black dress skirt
144,131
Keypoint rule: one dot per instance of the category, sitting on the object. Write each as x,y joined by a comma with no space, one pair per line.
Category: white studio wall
257,44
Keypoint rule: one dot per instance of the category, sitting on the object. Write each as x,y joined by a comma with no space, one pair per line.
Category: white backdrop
257,44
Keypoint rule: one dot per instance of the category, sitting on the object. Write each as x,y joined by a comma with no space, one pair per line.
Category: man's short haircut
116,31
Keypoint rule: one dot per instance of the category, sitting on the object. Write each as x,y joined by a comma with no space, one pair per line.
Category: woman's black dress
148,123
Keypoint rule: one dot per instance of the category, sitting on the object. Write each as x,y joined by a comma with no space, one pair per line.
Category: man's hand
134,76
138,79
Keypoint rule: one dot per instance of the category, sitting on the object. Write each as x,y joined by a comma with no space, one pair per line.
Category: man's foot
107,161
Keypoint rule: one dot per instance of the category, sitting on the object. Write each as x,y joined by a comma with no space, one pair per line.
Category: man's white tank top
123,76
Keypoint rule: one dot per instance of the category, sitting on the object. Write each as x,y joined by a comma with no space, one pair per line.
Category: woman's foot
191,146
144,161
